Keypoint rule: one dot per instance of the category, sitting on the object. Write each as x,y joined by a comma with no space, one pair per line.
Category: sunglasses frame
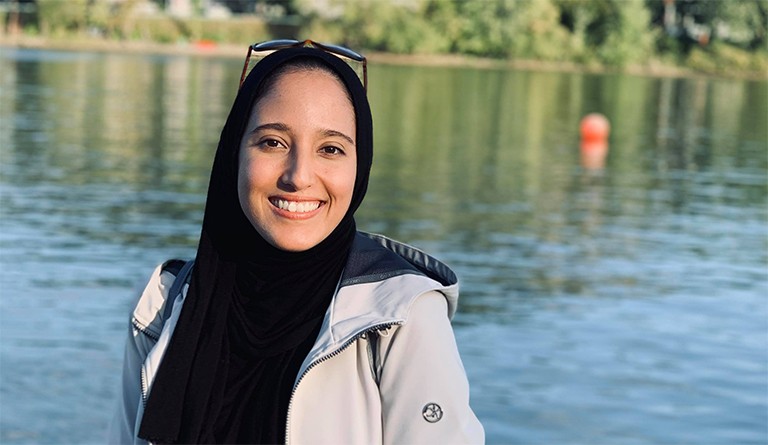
336,50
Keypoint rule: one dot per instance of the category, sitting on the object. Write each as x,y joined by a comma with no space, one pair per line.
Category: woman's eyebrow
277,126
332,133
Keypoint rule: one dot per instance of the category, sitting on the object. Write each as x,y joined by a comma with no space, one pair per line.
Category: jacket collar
380,282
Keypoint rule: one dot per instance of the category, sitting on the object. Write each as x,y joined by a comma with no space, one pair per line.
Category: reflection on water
617,306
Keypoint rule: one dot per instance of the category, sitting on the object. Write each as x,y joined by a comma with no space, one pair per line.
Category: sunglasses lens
274,44
341,51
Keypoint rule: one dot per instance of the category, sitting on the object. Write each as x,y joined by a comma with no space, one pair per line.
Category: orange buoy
595,127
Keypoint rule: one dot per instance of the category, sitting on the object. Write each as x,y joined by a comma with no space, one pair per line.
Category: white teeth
297,207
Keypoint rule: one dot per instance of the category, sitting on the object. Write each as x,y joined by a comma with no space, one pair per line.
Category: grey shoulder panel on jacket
376,258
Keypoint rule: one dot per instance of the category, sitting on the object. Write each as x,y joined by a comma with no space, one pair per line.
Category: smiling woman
294,326
298,158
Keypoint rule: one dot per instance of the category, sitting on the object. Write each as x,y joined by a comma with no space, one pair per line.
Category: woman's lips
291,206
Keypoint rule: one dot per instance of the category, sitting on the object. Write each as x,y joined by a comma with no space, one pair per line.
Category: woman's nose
298,173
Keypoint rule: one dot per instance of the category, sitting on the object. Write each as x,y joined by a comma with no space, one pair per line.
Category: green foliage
487,28
612,33
742,22
384,25
100,15
627,39
57,16
168,30
239,31
496,28
156,29
539,33
722,58
512,28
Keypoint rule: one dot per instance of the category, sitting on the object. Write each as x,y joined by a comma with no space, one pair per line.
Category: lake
626,304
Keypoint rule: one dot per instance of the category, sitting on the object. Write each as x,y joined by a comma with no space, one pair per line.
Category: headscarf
252,311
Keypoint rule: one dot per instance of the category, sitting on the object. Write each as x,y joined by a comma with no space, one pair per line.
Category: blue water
622,305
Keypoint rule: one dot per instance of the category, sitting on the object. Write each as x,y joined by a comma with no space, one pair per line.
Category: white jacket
384,369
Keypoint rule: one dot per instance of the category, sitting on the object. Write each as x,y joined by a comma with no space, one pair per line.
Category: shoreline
213,49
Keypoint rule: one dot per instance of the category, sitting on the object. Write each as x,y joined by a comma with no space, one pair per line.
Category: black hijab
253,311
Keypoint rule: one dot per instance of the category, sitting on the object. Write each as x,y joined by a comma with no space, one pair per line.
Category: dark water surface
622,306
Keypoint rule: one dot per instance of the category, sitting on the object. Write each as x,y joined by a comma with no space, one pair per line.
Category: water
621,306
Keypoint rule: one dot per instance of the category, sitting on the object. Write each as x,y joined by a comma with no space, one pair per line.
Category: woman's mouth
295,206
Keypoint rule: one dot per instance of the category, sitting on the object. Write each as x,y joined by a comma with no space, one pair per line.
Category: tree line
608,32
714,34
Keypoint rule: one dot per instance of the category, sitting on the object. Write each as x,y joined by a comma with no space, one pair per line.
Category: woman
295,327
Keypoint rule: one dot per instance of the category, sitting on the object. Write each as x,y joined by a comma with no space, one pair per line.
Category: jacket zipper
139,327
336,352
143,329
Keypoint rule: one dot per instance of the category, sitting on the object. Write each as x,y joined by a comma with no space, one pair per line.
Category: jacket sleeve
424,389
122,429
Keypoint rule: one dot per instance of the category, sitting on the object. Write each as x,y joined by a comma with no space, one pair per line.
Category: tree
56,15
698,22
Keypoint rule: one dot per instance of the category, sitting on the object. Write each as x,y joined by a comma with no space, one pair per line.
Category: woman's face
298,160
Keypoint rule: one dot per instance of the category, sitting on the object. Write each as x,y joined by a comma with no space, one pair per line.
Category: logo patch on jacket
432,412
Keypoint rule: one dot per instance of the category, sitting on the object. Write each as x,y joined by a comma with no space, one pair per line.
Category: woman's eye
270,143
331,150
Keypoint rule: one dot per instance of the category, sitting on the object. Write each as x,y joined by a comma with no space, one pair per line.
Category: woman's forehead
286,80
304,101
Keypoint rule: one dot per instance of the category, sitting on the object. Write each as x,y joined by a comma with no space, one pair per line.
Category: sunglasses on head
356,61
